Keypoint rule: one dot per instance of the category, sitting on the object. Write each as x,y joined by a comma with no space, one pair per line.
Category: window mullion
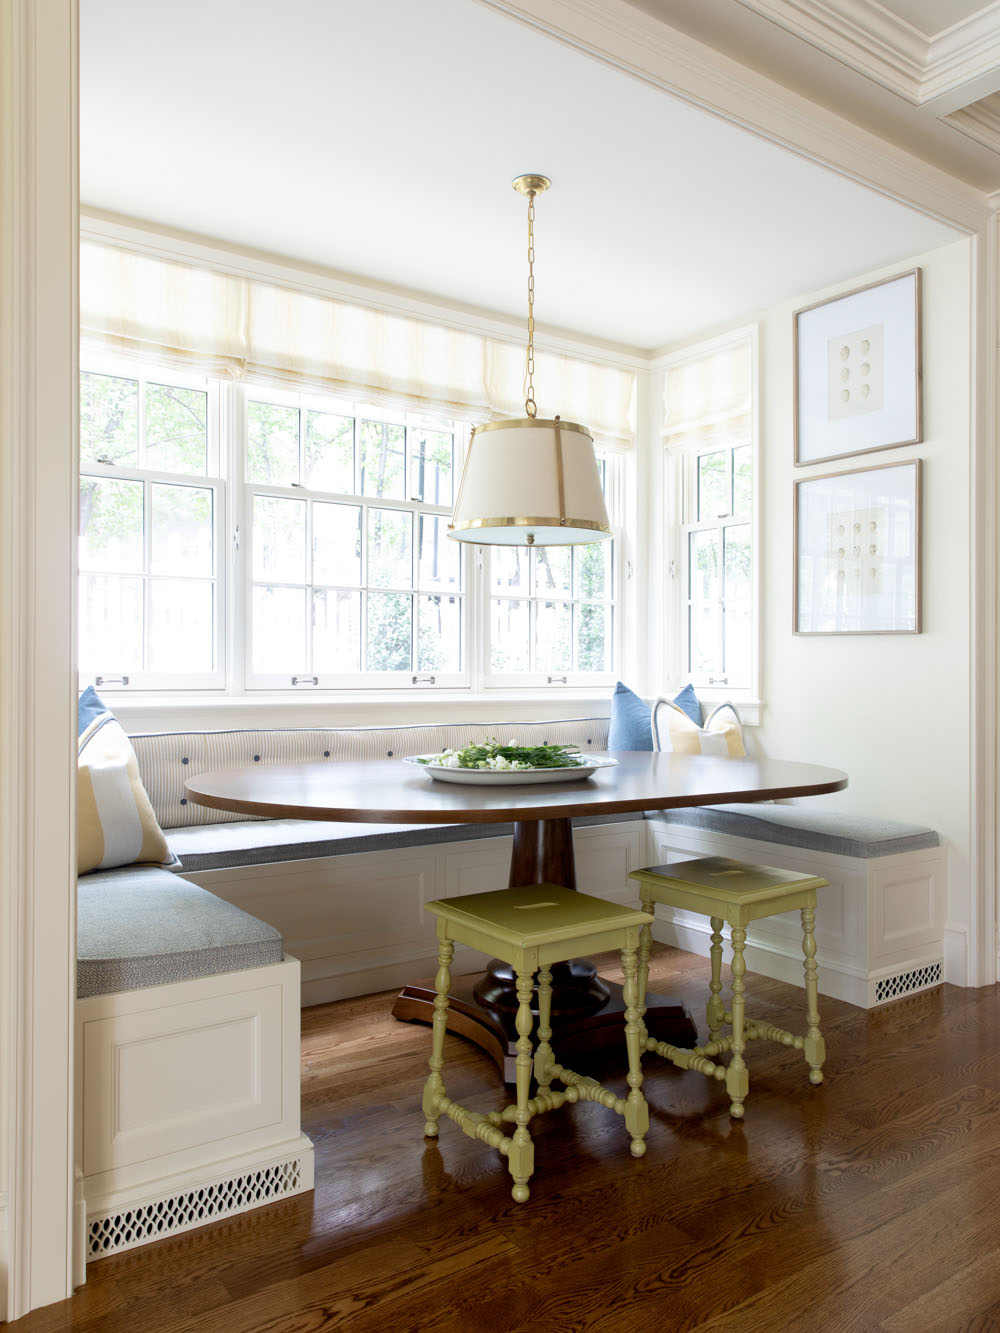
147,573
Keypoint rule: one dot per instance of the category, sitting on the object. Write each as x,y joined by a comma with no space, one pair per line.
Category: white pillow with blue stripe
115,823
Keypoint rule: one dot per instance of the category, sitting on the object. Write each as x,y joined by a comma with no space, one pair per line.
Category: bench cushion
261,842
141,926
834,831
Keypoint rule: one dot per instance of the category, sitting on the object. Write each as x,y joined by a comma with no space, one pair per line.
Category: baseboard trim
4,1251
335,980
127,1218
956,955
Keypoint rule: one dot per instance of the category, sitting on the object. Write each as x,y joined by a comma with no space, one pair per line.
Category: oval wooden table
387,791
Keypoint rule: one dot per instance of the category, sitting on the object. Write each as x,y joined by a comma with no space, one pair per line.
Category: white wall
893,711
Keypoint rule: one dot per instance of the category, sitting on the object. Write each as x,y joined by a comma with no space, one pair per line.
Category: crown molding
918,67
980,121
860,33
646,48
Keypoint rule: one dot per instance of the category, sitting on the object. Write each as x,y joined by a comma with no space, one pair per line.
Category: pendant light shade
529,481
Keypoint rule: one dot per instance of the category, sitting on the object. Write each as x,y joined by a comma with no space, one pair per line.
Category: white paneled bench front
187,1032
879,923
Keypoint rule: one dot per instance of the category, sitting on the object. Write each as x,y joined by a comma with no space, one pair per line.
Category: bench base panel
879,924
127,1218
188,1104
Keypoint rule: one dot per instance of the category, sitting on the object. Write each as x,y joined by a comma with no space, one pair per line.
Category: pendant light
530,481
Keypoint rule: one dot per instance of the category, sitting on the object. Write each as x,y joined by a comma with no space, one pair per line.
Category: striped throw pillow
115,823
674,731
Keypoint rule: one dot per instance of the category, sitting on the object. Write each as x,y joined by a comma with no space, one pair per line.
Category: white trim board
38,500
943,67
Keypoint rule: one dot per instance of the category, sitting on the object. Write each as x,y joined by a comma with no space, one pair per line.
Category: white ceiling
378,138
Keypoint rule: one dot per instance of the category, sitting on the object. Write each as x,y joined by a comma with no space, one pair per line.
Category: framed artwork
857,551
858,372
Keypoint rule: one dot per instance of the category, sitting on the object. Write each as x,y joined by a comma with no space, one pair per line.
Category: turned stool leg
434,1087
645,943
814,1047
737,1077
544,1058
636,1110
715,1010
521,1157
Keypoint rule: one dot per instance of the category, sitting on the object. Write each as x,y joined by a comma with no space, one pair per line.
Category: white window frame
679,500
113,676
307,680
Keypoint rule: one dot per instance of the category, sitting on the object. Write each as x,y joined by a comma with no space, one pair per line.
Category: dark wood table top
387,791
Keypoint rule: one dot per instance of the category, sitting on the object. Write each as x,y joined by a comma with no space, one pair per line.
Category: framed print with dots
857,372
857,551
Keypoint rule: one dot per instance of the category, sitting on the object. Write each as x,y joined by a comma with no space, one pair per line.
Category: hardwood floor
867,1205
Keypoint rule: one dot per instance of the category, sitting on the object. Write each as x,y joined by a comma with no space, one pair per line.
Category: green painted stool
531,928
737,893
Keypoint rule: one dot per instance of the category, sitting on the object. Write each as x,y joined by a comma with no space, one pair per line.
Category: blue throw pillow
631,719
688,702
90,706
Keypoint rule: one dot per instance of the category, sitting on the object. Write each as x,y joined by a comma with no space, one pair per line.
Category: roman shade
230,324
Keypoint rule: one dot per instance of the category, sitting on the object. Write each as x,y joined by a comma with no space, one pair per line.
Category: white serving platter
505,777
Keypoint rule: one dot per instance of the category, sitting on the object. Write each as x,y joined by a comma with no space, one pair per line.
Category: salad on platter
492,756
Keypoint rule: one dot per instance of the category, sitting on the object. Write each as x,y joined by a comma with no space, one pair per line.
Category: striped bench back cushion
167,759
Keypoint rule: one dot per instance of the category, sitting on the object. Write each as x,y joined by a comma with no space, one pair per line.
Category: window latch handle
111,680
557,680
424,680
305,680
718,680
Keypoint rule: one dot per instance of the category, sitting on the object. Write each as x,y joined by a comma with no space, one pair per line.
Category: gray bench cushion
141,926
833,831
262,842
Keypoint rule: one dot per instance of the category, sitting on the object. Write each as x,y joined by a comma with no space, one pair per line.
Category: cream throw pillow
115,823
674,732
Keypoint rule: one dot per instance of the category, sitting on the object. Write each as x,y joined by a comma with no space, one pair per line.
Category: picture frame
857,551
858,371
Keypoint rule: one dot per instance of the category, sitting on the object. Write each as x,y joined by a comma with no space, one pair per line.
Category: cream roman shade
709,395
236,325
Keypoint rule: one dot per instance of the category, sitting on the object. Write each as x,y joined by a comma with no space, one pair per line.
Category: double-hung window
242,537
151,513
351,579
710,465
552,609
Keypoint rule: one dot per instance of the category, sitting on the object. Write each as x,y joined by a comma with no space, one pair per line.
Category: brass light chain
530,406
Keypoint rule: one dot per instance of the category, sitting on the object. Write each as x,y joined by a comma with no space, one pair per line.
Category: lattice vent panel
191,1208
905,983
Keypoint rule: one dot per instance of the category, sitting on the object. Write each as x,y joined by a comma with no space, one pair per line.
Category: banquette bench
348,897
188,1011
187,1061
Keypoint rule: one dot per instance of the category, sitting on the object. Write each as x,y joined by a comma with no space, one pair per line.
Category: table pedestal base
575,1037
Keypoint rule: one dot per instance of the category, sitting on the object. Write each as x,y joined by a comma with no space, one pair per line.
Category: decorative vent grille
191,1208
905,983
